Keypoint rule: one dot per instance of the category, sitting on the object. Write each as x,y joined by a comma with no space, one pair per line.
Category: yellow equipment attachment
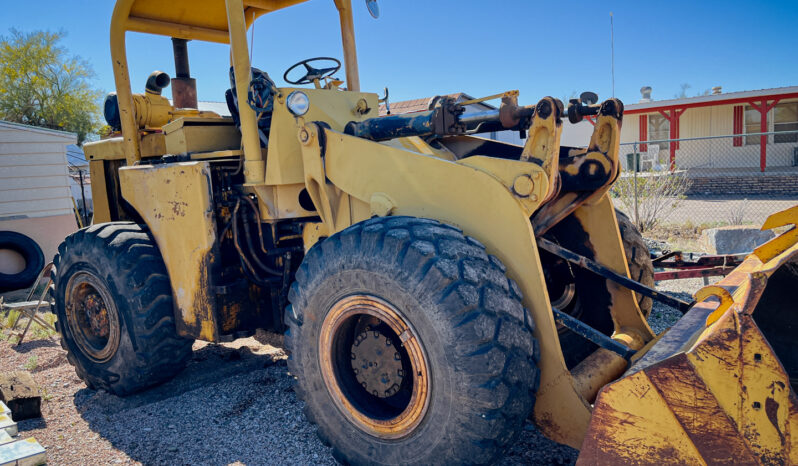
716,387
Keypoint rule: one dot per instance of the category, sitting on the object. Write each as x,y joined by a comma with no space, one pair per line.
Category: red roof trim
714,103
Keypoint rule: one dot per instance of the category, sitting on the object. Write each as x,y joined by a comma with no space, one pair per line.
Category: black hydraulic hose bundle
252,265
234,222
249,270
254,252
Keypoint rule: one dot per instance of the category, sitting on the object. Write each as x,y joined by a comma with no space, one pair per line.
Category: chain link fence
682,186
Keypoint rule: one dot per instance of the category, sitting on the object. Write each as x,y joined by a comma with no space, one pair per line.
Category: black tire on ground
638,257
118,266
30,252
466,314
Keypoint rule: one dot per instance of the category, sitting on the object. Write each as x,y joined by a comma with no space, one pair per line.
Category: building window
752,125
785,118
659,128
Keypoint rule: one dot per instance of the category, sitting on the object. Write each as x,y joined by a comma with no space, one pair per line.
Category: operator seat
260,98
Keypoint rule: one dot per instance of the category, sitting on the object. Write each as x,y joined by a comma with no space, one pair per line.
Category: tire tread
127,255
495,350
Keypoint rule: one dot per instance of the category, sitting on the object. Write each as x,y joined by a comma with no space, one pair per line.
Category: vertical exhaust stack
184,87
645,94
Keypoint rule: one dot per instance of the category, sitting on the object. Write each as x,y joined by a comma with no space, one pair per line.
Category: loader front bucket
719,386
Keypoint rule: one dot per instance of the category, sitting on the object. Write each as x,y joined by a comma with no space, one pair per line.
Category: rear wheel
560,276
568,284
114,306
638,257
410,345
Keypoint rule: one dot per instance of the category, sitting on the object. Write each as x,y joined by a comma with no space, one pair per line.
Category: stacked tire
31,254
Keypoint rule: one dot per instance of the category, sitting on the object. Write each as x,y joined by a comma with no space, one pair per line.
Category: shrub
658,195
737,212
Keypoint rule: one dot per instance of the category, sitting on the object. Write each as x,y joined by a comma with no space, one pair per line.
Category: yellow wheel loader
436,288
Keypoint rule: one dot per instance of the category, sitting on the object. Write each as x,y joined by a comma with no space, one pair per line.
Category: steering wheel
312,73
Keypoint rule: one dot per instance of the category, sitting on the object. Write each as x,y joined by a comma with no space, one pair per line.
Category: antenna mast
612,51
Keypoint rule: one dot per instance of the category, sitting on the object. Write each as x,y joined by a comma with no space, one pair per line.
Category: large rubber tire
638,257
468,316
123,261
30,252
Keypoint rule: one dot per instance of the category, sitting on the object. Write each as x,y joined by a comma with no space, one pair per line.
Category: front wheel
114,306
410,345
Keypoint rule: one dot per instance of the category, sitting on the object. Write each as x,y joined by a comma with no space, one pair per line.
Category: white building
35,197
718,114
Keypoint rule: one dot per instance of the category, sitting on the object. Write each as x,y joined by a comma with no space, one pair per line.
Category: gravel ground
234,404
662,316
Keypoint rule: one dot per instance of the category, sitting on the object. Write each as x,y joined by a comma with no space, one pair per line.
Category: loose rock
20,393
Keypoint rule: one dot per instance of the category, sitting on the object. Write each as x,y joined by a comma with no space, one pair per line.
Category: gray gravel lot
233,404
702,209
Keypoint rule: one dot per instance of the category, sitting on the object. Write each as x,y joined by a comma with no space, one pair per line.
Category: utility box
201,134
633,161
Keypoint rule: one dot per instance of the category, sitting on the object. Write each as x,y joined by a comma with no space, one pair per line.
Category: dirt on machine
436,288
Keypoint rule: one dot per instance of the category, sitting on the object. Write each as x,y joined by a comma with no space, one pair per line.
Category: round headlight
298,103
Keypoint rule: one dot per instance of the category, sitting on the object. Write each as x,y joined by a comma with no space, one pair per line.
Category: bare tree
658,195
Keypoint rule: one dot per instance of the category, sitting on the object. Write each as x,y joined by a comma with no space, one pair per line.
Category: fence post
636,163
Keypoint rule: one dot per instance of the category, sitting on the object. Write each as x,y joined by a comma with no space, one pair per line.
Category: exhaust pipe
156,82
184,87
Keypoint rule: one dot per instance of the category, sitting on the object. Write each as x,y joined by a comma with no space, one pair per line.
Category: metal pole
84,214
612,51
636,164
605,272
348,39
254,163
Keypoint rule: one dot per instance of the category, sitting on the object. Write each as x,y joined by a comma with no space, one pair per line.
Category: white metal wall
33,172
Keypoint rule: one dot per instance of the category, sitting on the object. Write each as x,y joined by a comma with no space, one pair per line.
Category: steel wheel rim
92,317
336,359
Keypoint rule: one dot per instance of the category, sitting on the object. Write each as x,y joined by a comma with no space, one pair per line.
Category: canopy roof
189,19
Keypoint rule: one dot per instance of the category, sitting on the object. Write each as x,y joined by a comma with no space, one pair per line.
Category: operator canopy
191,19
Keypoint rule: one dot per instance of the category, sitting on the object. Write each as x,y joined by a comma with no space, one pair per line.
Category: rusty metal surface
361,312
692,273
92,316
712,390
698,412
703,266
175,201
586,175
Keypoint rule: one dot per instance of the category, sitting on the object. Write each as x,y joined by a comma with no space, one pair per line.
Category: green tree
41,84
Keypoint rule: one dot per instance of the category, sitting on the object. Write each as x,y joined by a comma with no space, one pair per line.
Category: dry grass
35,332
685,236
682,237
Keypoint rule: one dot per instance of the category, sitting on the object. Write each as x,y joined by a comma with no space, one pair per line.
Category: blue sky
423,48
